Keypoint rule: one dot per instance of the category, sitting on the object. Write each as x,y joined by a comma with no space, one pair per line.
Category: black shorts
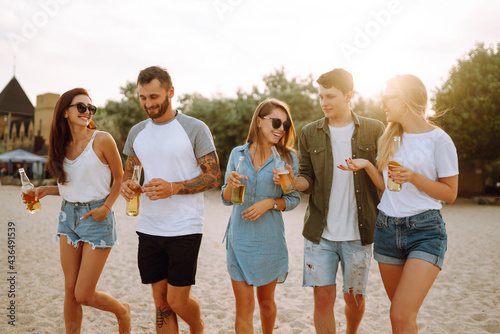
171,258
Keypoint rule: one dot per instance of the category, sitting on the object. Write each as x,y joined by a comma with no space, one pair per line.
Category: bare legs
171,301
324,299
324,318
245,305
406,286
82,267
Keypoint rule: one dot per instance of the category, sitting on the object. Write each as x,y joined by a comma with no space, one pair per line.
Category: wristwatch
275,207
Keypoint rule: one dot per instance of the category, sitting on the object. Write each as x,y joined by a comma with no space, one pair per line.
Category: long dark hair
285,144
60,134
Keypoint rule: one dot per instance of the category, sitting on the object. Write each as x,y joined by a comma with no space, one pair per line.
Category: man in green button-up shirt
342,211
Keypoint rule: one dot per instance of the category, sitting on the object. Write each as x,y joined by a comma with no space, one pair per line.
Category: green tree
229,118
370,107
299,93
470,101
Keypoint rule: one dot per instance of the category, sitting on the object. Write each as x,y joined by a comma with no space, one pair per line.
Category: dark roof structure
14,99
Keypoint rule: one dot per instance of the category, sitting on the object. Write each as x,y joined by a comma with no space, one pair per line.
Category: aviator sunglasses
277,123
82,108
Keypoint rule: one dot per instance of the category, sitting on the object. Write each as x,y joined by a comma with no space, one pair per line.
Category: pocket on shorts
307,245
428,224
380,223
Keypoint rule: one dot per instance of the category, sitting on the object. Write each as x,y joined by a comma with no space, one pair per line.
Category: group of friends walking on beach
343,162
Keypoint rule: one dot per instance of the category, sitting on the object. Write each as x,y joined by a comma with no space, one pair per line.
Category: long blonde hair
411,90
285,144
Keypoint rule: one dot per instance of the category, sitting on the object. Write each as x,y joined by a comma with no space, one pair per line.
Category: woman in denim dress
82,161
410,236
257,255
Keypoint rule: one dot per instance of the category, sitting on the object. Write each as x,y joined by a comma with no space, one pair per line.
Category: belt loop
408,221
386,220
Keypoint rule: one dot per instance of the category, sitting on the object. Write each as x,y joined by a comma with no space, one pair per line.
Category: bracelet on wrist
171,190
106,207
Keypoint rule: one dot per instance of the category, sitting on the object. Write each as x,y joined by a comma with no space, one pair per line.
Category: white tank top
88,178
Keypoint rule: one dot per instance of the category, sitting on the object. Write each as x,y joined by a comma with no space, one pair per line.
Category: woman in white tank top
82,161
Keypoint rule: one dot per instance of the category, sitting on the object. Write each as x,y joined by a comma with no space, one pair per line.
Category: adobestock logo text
30,27
363,36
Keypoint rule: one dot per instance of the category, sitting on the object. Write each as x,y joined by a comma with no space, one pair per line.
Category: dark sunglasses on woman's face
386,98
277,123
82,108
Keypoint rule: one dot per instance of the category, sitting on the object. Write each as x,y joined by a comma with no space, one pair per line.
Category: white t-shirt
431,154
169,151
342,220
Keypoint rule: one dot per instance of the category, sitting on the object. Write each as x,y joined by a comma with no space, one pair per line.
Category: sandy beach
464,299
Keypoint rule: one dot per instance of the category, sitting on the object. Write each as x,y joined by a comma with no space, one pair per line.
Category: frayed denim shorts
98,233
422,236
321,262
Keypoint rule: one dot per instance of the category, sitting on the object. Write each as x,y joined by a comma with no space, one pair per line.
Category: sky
215,47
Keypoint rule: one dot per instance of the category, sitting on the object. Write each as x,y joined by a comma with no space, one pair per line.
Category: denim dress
256,251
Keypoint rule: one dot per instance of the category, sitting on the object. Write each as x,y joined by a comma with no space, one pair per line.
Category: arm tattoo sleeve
129,167
208,179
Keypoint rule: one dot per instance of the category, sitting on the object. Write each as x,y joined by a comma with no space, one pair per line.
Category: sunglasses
277,123
386,98
82,108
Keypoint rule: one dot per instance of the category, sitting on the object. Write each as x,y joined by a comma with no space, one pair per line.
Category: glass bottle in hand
238,194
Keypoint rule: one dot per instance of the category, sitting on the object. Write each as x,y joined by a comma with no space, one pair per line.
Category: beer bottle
28,193
395,162
133,204
286,180
238,194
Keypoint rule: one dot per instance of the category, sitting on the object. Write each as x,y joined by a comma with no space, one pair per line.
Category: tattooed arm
126,190
209,178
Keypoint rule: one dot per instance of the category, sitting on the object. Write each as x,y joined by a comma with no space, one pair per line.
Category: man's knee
160,293
178,297
324,297
354,302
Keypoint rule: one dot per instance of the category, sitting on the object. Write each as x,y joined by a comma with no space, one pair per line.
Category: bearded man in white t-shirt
178,157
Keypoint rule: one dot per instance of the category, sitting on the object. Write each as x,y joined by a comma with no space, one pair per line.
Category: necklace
258,160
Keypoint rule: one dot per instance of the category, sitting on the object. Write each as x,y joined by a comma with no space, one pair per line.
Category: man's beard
162,109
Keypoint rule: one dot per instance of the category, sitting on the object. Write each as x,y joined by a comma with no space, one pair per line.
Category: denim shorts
98,233
422,236
321,263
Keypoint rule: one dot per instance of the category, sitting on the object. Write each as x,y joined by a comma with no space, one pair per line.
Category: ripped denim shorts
98,233
321,262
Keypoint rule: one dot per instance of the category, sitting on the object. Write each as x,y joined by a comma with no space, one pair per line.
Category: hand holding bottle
133,203
276,175
286,179
29,192
400,175
236,178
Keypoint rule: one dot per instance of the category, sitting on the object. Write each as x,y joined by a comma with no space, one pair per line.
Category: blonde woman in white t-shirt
410,236
82,160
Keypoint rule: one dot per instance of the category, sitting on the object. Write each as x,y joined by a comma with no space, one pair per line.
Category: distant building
21,124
